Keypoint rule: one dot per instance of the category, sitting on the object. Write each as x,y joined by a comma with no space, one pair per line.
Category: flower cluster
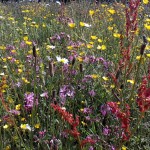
30,100
131,17
143,100
69,119
124,116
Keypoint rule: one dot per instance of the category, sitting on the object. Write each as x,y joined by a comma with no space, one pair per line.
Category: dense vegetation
74,76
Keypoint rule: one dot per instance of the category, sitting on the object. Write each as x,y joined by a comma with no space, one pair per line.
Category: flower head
62,60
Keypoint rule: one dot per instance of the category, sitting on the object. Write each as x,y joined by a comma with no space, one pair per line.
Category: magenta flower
29,100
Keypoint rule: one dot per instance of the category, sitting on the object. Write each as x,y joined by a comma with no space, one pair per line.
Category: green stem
136,77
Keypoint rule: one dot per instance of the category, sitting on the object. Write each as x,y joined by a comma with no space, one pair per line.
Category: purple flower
91,148
45,94
112,148
66,91
10,47
18,84
29,100
106,130
104,109
23,44
14,112
42,133
87,110
92,93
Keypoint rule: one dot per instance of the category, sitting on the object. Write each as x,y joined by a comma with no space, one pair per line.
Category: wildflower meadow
75,76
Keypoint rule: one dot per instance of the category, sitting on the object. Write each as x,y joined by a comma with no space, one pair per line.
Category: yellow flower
81,109
147,26
20,71
91,12
18,107
94,76
124,148
8,148
105,78
100,40
70,47
71,25
148,55
23,119
138,57
5,126
50,47
2,47
103,47
130,81
82,24
91,43
25,80
30,52
93,37
148,39
112,86
25,11
25,127
83,123
80,59
25,38
43,25
89,46
37,126
111,11
110,28
117,35
145,2
118,103
98,47
28,42
147,47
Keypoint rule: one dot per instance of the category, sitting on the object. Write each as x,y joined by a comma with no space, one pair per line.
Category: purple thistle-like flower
29,100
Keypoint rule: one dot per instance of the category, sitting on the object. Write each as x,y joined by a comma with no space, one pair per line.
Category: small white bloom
57,2
28,127
87,25
2,74
50,47
1,17
62,60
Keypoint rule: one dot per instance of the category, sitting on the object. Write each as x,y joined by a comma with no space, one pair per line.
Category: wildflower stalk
34,101
79,141
133,131
136,77
139,64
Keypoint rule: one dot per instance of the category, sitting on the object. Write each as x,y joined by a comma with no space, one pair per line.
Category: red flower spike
124,116
143,99
68,118
88,140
